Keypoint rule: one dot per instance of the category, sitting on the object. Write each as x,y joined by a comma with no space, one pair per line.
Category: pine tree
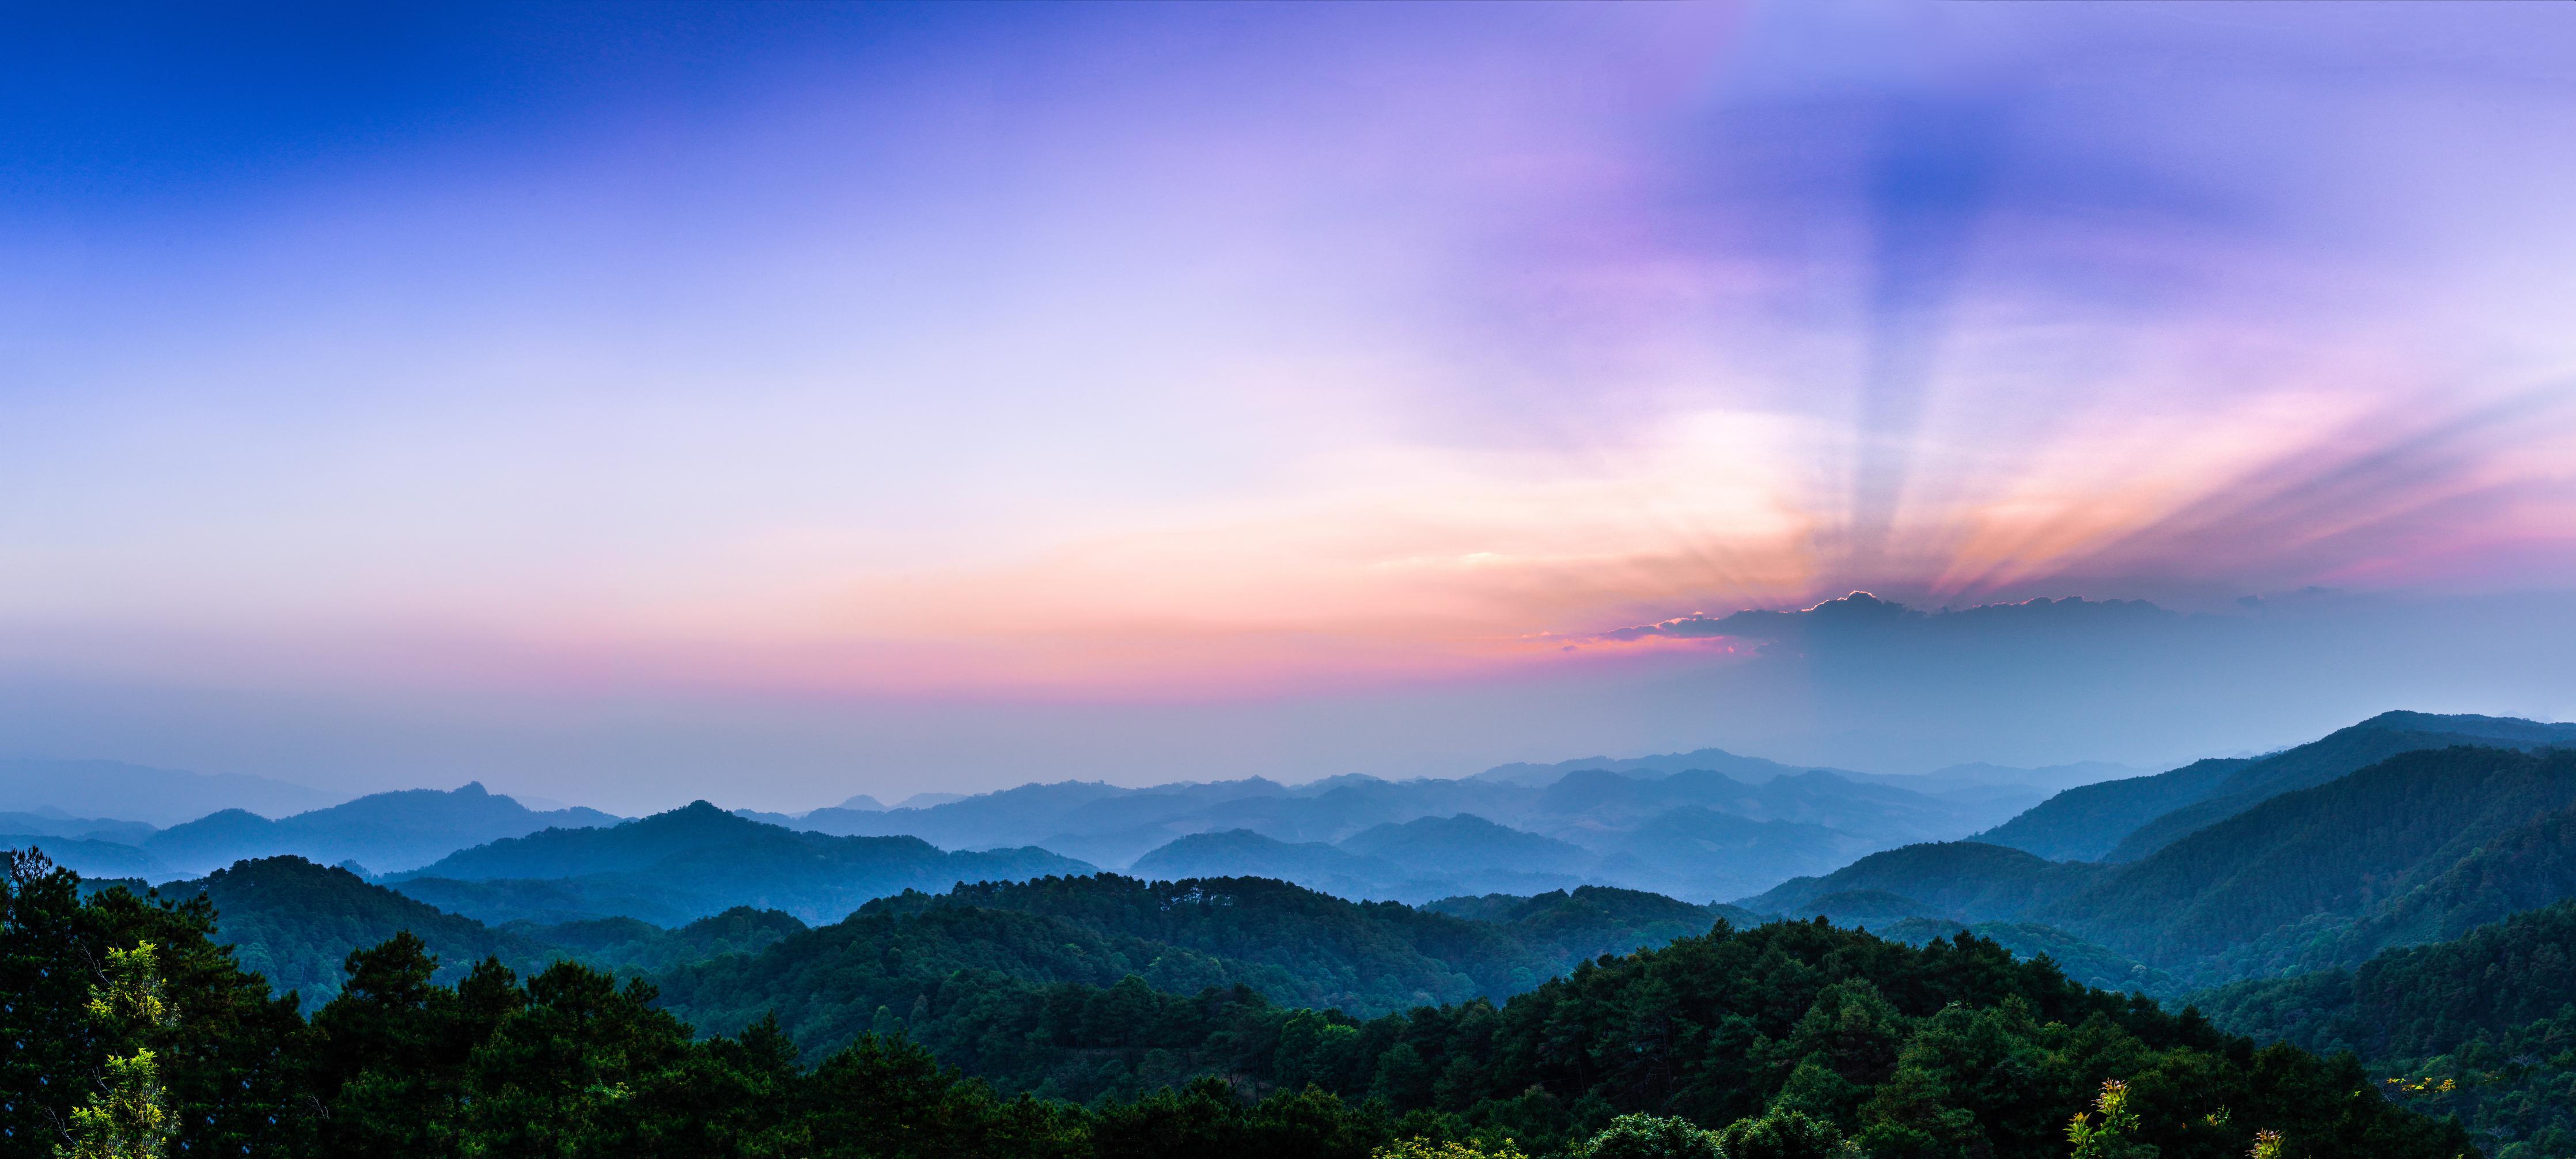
128,1115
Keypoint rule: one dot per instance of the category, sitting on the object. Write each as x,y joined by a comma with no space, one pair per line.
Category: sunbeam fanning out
1402,387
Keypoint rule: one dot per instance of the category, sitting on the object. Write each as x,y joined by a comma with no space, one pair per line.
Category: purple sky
611,401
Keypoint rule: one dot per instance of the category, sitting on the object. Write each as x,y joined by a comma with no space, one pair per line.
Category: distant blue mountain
52,823
2127,819
383,831
1726,835
140,793
675,867
90,858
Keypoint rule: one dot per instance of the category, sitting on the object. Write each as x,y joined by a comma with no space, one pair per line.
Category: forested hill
2421,846
1293,945
1798,1016
1504,944
1594,920
688,863
2526,867
295,923
2086,822
1961,880
2127,820
1788,1030
2338,754
2329,854
2483,1026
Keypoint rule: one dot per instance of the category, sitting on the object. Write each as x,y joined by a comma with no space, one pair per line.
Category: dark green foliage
973,984
630,946
1305,948
2526,867
1318,950
1810,1032
2337,754
1592,920
1290,946
228,1061
1951,1049
1640,1136
2493,1014
560,901
2127,820
1784,1135
2421,846
2083,961
294,922
1872,908
1965,880
2331,852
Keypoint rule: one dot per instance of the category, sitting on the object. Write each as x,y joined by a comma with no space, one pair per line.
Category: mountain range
2401,887
695,861
381,832
1707,824
2410,847
2127,819
1665,824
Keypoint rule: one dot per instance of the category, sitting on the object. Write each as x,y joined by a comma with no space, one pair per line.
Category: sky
628,403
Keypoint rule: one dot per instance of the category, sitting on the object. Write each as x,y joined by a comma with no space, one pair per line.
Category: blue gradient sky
601,398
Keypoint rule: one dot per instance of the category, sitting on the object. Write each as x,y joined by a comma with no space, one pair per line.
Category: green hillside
2331,852
2418,847
294,922
2127,820
2482,1026
2086,963
1951,1048
1967,880
1294,946
1593,920
2526,867
2338,754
